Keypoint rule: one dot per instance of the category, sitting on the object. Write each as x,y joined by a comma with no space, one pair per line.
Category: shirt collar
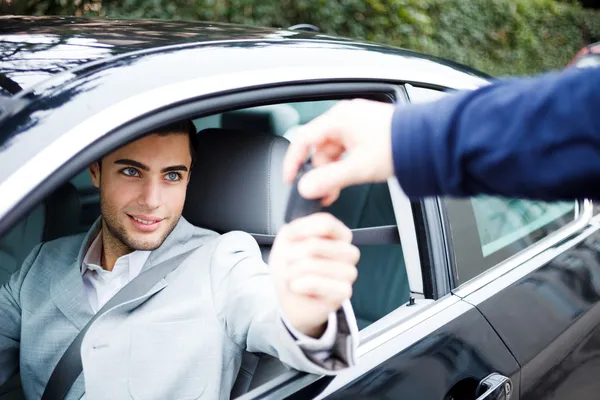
93,259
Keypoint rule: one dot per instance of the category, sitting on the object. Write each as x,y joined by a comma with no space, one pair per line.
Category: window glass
501,222
488,230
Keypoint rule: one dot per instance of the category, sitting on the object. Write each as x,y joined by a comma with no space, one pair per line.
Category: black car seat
275,119
237,183
57,216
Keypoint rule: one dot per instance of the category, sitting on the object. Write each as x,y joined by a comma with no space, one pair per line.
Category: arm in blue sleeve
529,137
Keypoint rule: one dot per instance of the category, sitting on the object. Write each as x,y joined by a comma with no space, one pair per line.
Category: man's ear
94,170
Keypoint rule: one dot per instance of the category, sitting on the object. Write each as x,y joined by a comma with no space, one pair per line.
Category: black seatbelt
387,234
69,366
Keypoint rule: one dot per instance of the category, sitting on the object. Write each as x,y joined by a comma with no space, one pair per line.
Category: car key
299,206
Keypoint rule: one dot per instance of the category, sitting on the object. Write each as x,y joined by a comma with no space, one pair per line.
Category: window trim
538,261
408,237
438,247
583,213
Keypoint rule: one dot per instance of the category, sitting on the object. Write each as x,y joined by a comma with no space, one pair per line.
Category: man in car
535,137
185,337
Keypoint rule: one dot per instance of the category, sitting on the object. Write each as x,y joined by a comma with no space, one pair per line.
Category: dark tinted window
488,230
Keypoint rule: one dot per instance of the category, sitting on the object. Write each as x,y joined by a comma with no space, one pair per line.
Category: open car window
381,266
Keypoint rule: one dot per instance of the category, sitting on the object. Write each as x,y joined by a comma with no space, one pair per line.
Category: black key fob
299,206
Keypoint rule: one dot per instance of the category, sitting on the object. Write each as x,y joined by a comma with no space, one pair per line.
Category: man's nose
150,195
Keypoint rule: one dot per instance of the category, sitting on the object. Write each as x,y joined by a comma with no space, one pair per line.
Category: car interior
237,180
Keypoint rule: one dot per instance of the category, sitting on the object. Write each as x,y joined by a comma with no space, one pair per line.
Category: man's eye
173,176
129,172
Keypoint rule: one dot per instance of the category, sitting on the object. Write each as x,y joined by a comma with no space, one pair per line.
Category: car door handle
495,387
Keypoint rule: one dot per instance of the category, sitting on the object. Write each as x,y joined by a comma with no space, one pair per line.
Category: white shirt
101,285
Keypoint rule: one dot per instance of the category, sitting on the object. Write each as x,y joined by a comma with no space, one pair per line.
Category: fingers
359,128
330,269
329,290
316,225
323,249
322,133
330,178
330,198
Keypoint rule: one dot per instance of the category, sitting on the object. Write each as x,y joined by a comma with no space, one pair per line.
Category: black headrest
275,119
63,212
237,182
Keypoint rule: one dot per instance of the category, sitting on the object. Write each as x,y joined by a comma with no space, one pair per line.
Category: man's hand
313,264
360,127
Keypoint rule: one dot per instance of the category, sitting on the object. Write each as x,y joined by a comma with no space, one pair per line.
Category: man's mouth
145,222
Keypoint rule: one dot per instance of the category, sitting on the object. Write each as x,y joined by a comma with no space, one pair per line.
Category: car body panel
558,306
463,348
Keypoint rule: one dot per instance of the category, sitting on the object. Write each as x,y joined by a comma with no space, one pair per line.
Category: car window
489,230
500,222
362,206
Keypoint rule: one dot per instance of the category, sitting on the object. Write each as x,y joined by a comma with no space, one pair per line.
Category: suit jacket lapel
67,288
70,297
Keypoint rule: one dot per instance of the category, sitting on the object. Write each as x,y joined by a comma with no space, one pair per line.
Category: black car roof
34,48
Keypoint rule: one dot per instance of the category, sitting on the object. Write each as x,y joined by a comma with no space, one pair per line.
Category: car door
534,275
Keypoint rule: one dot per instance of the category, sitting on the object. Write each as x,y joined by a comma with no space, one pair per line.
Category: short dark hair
182,126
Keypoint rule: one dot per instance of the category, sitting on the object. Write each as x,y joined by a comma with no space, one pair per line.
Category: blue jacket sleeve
528,137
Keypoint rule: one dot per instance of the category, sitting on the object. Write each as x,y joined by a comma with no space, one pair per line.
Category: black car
479,298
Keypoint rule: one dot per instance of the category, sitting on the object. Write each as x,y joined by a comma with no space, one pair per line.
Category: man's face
142,189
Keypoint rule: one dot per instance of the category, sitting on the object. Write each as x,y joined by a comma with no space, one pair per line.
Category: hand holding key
313,262
360,128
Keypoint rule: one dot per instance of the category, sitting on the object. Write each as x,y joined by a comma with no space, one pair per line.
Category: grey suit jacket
184,339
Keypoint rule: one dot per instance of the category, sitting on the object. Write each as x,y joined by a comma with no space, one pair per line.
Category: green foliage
509,37
500,37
